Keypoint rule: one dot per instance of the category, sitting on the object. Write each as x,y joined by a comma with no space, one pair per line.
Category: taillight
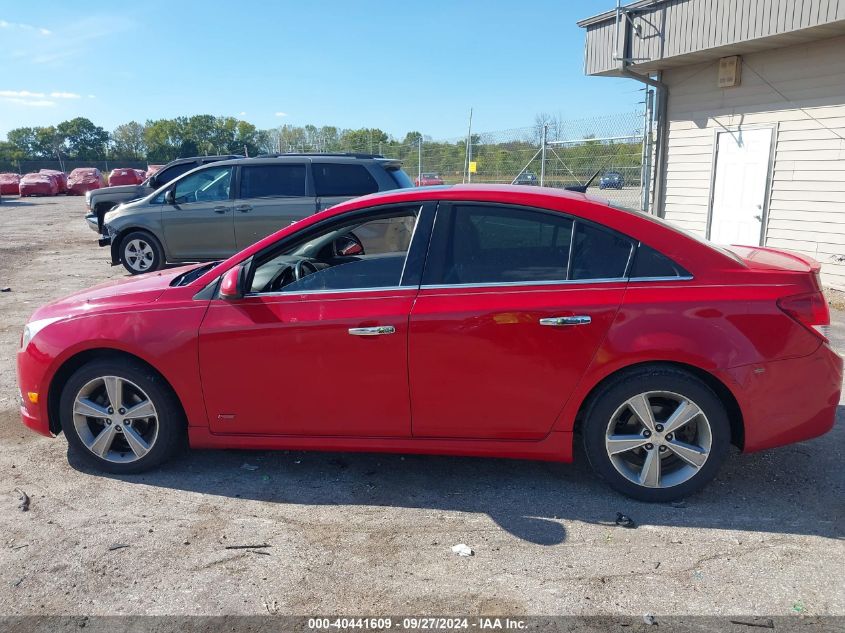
810,310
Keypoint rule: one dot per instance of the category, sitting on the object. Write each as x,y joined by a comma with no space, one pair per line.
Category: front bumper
31,378
93,224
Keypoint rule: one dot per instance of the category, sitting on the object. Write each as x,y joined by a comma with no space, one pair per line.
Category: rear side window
505,245
599,253
272,181
650,263
339,179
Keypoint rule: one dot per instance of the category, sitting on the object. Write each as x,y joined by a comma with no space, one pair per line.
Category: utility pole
467,175
419,160
543,156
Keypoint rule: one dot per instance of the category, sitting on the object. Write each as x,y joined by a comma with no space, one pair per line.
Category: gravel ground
372,534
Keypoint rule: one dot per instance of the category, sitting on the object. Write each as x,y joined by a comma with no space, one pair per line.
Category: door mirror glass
152,183
231,286
169,197
348,246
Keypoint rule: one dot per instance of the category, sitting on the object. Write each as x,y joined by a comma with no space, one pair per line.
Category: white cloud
242,114
38,103
24,27
26,94
92,96
20,93
64,95
281,113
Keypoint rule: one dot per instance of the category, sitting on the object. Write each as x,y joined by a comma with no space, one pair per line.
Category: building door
739,188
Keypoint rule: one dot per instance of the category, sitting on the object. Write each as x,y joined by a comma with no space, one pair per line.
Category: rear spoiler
390,164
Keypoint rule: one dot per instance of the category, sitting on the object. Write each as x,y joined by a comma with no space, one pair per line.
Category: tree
82,139
23,139
128,141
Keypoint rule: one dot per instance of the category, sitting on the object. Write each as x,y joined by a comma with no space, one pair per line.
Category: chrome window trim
328,291
510,284
673,278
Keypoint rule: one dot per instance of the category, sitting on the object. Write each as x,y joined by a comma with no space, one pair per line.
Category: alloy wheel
115,419
658,439
139,255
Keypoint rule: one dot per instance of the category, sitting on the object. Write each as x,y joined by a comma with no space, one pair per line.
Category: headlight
32,328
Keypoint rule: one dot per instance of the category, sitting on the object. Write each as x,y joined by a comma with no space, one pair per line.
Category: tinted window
338,179
267,181
649,263
171,173
501,245
599,253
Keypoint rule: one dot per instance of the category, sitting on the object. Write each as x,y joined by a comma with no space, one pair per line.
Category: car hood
117,189
115,294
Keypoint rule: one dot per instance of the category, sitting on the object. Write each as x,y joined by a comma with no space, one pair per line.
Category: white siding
800,90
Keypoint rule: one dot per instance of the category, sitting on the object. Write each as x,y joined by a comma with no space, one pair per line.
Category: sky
355,63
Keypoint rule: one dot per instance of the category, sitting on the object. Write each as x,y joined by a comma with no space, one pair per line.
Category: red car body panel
38,185
60,177
468,371
125,176
10,184
84,179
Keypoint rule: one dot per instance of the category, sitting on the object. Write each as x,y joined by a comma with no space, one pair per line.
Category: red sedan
470,320
428,180
38,184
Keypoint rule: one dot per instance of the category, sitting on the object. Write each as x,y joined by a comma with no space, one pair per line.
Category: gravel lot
371,534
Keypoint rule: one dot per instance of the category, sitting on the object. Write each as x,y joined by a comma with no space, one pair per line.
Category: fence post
645,176
543,156
419,161
467,175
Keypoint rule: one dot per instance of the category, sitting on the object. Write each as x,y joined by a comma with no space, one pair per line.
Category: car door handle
372,331
244,208
220,209
567,320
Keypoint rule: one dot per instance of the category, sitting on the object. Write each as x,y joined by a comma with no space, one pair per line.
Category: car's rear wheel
121,417
656,434
140,252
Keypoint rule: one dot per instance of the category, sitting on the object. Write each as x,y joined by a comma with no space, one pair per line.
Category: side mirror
231,286
348,245
152,183
170,197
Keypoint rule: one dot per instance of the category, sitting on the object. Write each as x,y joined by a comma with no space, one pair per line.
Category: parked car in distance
611,180
487,321
428,179
526,178
125,176
217,209
84,179
10,184
99,201
38,184
60,177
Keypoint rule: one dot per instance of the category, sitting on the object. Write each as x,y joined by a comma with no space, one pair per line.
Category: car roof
270,159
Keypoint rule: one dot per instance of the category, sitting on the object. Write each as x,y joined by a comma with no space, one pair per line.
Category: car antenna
583,188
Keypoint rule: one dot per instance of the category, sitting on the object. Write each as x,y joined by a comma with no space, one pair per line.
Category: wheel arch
74,362
721,390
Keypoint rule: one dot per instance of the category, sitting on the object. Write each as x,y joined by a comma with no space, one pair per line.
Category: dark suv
99,201
216,210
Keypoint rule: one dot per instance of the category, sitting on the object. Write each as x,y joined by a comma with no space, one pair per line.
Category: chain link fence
552,153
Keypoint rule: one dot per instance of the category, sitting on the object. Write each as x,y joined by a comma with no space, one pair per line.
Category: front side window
172,173
272,181
342,179
369,252
207,185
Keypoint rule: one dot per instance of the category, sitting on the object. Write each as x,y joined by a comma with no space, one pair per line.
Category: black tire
140,252
613,395
171,425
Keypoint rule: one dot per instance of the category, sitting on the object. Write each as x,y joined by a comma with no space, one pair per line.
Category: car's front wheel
140,252
120,416
656,434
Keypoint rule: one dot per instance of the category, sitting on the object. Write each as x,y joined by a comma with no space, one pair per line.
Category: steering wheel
298,272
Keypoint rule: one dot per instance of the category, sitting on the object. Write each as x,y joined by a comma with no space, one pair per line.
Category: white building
750,143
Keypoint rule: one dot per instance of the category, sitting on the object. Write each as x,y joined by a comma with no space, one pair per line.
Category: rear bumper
790,400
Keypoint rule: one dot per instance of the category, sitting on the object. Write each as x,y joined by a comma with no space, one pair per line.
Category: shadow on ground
793,490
